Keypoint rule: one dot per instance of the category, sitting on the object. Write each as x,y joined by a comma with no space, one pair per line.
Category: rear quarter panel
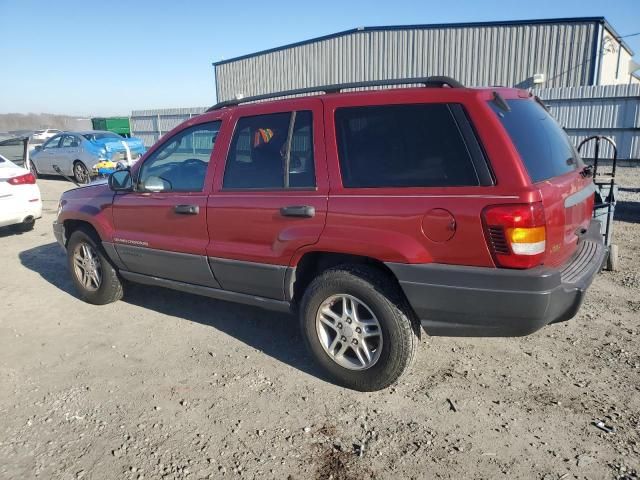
387,223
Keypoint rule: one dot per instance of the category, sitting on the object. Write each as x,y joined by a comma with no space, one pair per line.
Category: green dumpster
119,125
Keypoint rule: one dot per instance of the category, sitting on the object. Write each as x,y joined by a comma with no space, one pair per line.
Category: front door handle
306,211
187,209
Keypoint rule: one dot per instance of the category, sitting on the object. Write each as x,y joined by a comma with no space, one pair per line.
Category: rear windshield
101,136
542,144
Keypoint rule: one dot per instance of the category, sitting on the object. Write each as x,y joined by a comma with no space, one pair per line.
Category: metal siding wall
492,55
150,125
611,110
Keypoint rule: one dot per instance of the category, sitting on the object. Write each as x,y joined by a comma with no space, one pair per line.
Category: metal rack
605,197
435,81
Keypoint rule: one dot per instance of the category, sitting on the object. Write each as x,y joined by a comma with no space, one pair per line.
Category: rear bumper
485,302
19,210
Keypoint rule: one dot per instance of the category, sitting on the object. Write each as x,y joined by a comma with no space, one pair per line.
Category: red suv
371,213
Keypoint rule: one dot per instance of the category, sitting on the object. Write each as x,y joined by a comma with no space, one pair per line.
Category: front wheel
95,279
356,327
81,173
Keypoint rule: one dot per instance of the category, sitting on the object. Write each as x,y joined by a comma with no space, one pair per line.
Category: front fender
91,204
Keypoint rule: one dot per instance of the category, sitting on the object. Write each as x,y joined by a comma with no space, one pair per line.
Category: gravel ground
169,385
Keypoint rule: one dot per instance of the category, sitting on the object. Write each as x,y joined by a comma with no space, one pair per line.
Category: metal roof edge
541,21
626,46
288,45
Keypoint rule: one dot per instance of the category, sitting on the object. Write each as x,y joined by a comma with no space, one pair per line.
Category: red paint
389,224
438,225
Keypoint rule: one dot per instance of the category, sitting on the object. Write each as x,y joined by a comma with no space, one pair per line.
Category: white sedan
42,135
20,201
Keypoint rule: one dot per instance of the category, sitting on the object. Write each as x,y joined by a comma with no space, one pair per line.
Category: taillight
516,234
25,179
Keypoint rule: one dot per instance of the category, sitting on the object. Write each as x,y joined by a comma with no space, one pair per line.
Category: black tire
110,287
384,299
81,173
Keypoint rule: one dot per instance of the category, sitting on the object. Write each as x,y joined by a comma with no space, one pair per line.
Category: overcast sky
108,58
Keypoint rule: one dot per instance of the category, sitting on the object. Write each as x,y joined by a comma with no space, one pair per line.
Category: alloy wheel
349,332
81,173
87,266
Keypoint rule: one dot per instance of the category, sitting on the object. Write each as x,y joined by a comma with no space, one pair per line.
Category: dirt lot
170,385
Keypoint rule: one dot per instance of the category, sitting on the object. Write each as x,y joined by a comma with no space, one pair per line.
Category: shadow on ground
50,262
275,334
627,212
10,231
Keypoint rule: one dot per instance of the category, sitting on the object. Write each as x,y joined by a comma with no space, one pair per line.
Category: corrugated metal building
566,52
150,125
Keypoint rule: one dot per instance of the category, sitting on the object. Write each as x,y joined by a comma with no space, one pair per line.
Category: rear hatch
555,169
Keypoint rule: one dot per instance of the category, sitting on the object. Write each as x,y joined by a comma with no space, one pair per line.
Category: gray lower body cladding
248,278
217,293
252,278
482,302
182,267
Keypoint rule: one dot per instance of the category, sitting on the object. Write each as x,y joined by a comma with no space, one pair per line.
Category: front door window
180,164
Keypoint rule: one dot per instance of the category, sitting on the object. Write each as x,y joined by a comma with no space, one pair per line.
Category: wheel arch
313,263
72,225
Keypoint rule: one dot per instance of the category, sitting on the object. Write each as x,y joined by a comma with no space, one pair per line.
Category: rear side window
542,144
273,151
402,146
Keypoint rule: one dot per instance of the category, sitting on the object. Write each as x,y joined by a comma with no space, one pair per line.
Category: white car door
48,156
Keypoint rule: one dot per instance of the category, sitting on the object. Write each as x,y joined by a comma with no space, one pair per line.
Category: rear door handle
187,209
306,211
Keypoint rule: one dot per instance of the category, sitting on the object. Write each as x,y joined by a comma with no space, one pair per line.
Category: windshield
92,137
542,144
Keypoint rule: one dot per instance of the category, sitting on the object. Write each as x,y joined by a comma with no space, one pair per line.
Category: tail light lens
516,234
25,179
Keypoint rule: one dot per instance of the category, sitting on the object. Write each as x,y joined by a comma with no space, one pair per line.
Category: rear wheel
356,327
95,279
81,173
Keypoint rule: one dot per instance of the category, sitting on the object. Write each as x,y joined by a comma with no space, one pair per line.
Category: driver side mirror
120,181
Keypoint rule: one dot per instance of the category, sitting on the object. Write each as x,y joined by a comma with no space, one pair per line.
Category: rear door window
402,146
69,141
272,151
542,144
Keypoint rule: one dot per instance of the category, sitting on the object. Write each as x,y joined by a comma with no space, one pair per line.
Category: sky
98,58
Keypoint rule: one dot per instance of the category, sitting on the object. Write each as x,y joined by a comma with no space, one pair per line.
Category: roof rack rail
436,81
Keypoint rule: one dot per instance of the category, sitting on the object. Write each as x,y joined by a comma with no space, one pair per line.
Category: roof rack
436,81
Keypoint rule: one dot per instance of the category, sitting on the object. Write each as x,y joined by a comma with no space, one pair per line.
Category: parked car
76,153
40,136
20,201
464,211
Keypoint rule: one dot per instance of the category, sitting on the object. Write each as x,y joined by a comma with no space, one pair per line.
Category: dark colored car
466,212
